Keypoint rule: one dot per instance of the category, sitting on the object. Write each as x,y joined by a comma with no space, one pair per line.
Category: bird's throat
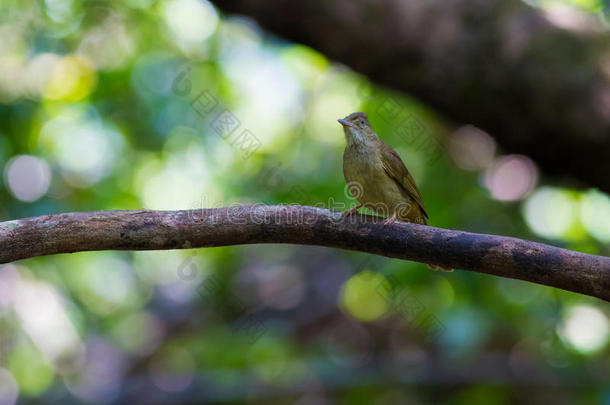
355,138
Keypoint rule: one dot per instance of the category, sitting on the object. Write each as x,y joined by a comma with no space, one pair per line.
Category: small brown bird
377,177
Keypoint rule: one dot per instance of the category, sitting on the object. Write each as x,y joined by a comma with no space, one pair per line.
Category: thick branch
158,230
502,65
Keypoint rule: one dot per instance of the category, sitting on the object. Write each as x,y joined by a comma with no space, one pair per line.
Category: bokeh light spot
139,333
108,45
270,95
472,148
99,378
85,147
334,96
38,73
27,177
360,296
595,215
585,328
60,10
550,212
72,79
33,374
105,283
43,315
511,177
182,180
307,64
191,21
9,390
273,361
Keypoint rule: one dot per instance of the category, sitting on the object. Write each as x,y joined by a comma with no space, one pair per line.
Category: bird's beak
345,123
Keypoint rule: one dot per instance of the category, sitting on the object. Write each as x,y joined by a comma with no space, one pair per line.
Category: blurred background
173,104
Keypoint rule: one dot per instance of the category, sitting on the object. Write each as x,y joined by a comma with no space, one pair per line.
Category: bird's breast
364,171
372,186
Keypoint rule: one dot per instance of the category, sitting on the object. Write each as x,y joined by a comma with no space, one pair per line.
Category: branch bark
159,230
539,89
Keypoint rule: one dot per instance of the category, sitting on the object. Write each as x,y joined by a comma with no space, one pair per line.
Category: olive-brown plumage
377,176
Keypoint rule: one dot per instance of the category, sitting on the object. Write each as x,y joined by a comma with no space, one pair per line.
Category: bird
377,177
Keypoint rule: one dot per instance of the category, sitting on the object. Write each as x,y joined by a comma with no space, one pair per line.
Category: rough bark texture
157,230
538,89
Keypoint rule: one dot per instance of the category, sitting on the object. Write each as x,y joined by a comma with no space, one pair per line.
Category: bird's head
357,128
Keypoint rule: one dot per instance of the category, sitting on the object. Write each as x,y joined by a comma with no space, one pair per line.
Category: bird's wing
395,168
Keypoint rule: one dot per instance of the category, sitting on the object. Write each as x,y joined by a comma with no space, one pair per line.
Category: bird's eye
362,122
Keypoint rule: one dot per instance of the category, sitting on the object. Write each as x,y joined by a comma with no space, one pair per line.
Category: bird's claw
391,220
434,267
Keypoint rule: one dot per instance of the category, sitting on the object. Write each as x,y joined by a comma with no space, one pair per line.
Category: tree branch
158,230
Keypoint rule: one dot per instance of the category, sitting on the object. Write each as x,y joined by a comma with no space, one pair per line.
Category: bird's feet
390,220
352,210
435,268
